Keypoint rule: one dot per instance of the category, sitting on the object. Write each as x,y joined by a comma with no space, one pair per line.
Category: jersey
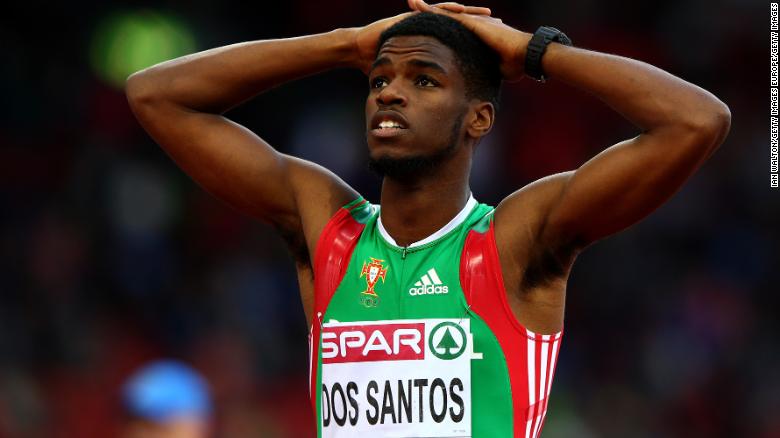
420,341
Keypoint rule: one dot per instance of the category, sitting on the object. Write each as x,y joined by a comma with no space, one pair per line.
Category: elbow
719,123
139,90
711,124
136,89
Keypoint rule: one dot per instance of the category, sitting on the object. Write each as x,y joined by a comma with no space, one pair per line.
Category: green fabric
492,414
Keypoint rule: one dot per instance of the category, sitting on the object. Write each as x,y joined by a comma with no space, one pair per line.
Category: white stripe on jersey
539,389
531,380
434,276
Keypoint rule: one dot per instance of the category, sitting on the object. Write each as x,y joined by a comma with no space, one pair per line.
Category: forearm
649,97
218,79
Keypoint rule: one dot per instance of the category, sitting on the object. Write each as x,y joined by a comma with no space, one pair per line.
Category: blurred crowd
110,257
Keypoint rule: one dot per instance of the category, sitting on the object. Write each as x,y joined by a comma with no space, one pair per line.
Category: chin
393,150
384,153
403,166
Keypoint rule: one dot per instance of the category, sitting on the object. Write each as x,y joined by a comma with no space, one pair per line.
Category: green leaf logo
447,341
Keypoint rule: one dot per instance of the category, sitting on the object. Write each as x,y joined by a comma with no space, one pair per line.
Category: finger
462,9
456,7
477,10
420,5
438,9
451,6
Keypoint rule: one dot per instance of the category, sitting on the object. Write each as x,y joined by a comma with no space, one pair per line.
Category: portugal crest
373,272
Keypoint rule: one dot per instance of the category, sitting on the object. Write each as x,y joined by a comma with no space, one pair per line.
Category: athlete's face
416,103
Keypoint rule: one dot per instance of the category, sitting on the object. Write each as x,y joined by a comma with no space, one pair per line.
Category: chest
387,283
401,352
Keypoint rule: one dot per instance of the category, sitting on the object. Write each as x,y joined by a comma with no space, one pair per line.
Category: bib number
396,378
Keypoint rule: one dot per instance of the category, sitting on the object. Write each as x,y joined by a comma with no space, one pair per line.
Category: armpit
547,265
296,244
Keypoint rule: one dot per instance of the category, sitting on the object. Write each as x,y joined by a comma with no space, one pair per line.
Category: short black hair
478,63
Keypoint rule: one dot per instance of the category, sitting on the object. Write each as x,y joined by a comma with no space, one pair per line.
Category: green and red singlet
420,340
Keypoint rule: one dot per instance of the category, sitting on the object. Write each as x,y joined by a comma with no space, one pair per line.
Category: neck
414,209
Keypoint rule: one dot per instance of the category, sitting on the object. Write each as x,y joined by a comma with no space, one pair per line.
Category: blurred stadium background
110,256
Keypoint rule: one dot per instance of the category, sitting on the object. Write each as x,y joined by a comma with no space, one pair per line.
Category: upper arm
240,168
615,189
542,227
624,183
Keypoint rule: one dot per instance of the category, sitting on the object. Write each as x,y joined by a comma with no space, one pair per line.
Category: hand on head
509,43
367,37
421,6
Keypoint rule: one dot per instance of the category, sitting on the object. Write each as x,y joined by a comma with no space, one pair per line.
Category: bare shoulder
531,256
520,217
319,194
535,270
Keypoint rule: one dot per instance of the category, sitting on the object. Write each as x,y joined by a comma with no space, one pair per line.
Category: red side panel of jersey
530,357
331,258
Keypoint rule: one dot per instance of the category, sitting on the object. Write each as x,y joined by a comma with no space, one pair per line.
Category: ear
480,119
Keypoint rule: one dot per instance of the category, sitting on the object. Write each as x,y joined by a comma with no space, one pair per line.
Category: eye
426,81
378,82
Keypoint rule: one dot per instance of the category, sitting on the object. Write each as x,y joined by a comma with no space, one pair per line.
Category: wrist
537,47
524,38
522,46
345,45
513,55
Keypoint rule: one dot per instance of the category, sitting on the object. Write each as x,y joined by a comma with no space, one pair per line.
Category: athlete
431,314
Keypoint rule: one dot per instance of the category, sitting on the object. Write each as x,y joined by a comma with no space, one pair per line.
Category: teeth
388,124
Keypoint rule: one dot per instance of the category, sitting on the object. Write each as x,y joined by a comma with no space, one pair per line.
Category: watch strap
537,46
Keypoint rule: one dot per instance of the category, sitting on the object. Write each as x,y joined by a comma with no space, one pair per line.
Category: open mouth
388,124
388,129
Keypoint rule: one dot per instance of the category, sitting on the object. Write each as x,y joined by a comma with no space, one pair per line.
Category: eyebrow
420,63
380,62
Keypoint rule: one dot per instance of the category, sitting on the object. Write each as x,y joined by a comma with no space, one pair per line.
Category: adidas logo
429,284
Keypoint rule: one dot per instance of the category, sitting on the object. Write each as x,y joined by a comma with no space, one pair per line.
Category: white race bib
402,378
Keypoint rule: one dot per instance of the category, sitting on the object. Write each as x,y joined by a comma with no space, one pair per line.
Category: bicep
620,186
237,166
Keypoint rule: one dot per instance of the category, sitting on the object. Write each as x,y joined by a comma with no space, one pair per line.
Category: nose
390,95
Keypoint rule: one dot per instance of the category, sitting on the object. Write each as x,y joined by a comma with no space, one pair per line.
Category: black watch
536,48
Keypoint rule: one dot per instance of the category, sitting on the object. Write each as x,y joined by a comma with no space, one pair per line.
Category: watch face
553,34
563,39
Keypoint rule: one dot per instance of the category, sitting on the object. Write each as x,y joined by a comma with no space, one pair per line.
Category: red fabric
483,286
331,258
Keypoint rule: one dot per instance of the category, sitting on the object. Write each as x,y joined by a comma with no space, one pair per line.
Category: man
166,399
440,316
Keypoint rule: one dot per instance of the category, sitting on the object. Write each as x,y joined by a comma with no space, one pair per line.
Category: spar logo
447,340
370,343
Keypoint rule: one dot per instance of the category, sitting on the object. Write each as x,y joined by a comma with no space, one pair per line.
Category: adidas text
429,284
428,290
